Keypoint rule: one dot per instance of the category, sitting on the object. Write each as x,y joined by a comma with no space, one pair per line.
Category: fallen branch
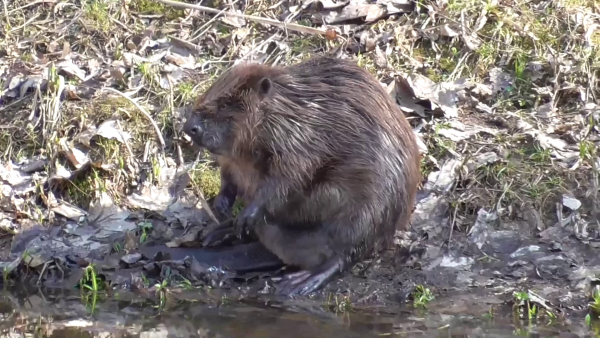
290,26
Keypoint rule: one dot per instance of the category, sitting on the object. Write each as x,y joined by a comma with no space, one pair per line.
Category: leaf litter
502,95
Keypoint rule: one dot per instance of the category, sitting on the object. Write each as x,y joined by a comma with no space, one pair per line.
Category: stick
290,26
144,112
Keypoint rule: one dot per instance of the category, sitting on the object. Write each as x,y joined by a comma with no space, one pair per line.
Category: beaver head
230,110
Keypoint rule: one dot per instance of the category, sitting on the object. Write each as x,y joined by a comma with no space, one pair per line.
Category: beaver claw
222,206
224,234
247,219
307,281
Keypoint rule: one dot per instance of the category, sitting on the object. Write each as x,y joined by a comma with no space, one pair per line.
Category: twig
6,16
459,67
27,5
214,18
146,114
172,107
595,193
119,23
206,207
188,44
23,25
50,106
452,225
120,129
260,45
290,26
43,273
15,102
202,199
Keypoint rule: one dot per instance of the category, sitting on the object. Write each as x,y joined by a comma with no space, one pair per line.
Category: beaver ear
263,87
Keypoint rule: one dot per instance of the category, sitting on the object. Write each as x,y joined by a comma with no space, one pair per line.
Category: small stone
131,258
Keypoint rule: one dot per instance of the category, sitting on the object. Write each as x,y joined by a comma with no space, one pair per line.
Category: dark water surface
67,314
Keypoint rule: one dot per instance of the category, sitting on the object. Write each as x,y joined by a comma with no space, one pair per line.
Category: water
61,313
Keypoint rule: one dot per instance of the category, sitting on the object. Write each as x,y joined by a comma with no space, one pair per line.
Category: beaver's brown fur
325,160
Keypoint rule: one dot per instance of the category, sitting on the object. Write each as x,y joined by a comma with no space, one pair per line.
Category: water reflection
63,314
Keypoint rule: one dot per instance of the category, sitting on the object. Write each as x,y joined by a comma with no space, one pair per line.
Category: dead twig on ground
23,25
206,26
39,2
6,16
146,114
288,26
175,131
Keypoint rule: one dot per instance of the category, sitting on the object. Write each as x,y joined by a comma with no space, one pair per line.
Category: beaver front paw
247,219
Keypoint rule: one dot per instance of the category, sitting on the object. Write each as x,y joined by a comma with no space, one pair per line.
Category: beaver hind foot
306,281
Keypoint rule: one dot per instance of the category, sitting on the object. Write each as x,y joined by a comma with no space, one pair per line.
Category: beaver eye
202,112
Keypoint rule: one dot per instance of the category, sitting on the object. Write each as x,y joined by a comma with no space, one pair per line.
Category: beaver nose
193,126
195,130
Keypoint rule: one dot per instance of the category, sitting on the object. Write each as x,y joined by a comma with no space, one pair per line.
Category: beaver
323,158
